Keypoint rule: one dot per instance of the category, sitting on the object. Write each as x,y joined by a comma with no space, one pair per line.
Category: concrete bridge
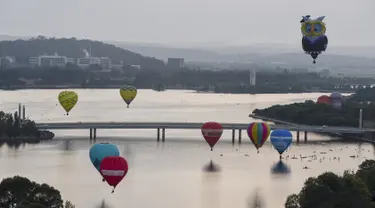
162,126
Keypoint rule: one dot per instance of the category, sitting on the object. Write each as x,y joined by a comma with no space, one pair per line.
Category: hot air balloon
212,132
99,151
113,170
68,99
258,133
128,94
336,99
281,140
314,40
324,99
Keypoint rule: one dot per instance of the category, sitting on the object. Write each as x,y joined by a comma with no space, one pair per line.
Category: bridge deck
185,125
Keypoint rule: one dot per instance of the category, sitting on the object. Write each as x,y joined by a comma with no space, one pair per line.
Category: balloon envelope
128,93
68,99
99,151
281,139
113,169
258,133
324,99
212,132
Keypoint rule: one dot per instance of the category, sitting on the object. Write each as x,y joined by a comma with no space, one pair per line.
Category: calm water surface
168,175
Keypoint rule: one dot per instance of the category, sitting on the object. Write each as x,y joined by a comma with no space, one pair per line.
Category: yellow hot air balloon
68,99
128,94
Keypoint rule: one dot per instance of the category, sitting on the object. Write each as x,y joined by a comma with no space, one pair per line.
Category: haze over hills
266,54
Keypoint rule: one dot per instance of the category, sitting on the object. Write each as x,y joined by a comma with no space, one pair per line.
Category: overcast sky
349,22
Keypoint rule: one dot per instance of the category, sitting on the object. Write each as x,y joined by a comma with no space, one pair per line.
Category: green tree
352,190
19,191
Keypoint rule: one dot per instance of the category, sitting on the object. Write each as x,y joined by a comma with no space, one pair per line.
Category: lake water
169,174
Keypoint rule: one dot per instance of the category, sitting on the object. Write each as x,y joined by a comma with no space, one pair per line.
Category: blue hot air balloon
99,151
281,140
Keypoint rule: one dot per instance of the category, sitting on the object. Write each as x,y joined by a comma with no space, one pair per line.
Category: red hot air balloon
212,132
113,170
324,99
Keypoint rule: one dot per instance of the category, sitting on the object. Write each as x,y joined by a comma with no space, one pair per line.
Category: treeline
72,48
351,190
224,81
12,126
311,113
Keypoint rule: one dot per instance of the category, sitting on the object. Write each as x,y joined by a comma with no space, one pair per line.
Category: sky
189,22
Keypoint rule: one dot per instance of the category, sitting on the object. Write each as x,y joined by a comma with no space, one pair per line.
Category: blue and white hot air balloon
281,140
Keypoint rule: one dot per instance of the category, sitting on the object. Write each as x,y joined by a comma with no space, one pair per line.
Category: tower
252,77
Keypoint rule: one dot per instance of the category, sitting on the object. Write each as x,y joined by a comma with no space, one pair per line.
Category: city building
105,63
6,61
87,61
175,62
252,77
325,73
117,65
48,61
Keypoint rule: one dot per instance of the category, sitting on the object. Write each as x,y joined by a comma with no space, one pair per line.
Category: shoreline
45,136
54,87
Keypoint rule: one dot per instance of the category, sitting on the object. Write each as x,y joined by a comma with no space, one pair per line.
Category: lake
169,174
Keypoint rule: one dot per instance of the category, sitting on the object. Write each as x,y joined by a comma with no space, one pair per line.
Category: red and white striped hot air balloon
113,170
212,132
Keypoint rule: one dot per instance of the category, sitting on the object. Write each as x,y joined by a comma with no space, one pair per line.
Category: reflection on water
256,200
280,168
211,167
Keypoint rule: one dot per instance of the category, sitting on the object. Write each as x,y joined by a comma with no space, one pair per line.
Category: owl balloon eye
308,28
318,28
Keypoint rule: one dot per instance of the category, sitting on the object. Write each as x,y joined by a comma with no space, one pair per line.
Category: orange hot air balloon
212,132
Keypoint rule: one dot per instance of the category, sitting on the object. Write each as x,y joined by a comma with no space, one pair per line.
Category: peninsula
14,129
334,110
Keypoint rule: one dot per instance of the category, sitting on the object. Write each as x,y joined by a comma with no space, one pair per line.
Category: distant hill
23,49
263,54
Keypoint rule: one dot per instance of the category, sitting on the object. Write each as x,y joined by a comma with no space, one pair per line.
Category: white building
87,61
48,61
175,63
105,63
252,77
7,61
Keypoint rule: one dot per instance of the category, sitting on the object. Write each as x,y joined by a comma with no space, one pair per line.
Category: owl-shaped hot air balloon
314,40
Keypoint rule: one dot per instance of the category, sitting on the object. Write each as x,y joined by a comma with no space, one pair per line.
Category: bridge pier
239,136
297,136
163,135
94,134
158,134
233,135
305,136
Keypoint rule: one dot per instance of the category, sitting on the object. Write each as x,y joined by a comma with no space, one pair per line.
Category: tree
329,190
21,192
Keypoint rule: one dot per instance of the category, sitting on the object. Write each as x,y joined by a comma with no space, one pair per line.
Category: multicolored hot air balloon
281,140
99,151
113,170
128,93
314,40
68,99
212,132
258,133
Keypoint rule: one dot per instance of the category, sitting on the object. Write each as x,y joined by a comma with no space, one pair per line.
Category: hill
263,54
73,48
